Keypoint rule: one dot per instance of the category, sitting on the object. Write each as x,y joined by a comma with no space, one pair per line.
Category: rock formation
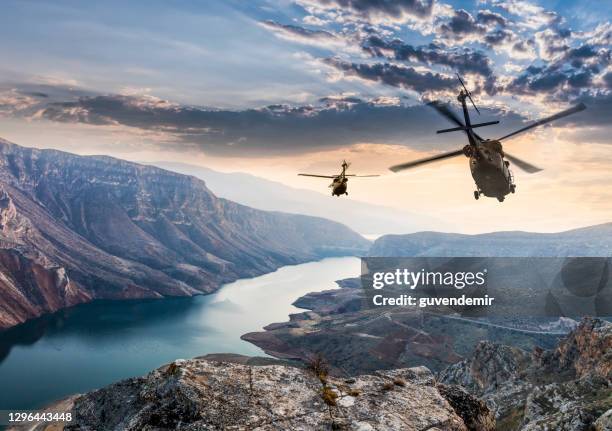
566,388
76,228
200,394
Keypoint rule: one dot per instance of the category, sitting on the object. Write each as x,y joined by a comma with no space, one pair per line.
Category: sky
274,88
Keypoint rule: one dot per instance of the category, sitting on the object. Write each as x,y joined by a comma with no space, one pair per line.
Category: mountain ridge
582,241
273,196
78,228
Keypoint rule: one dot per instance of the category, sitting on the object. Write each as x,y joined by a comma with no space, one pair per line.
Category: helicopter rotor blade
468,93
420,162
570,111
443,109
318,176
361,176
521,164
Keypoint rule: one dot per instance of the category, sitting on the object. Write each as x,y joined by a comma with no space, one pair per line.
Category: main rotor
467,127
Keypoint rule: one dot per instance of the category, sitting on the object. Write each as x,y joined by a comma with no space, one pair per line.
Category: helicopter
489,164
340,182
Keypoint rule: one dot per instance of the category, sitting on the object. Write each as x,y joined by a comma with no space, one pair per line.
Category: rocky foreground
497,388
201,394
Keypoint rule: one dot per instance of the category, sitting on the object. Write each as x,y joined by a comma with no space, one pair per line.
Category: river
91,345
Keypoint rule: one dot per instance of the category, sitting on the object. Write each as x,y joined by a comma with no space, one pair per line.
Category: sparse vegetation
329,396
388,386
398,381
354,392
172,369
319,367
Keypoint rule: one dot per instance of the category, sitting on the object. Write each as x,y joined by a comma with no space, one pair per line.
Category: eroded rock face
490,366
566,388
76,228
474,412
206,395
587,350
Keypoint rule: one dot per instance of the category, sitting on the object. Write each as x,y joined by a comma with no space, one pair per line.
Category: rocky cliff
566,388
75,228
200,394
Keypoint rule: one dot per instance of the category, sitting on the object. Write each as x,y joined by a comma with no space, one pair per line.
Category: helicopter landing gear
501,198
512,188
476,194
346,193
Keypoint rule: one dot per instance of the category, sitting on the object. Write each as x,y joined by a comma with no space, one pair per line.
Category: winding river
92,345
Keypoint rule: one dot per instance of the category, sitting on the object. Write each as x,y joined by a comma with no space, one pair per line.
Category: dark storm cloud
608,80
570,75
487,17
394,75
599,110
524,46
276,129
554,41
392,9
498,37
489,28
464,60
460,25
536,80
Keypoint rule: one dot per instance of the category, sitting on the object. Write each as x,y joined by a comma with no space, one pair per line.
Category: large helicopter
488,164
340,182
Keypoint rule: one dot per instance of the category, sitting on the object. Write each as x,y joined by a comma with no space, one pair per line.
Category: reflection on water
91,345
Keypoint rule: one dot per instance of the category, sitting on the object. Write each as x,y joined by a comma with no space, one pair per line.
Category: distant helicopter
490,170
340,182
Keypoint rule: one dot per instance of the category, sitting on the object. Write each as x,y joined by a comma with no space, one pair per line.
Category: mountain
273,196
74,229
588,241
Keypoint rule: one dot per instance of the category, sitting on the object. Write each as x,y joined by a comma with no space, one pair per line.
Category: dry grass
329,396
399,382
172,369
388,386
354,392
319,367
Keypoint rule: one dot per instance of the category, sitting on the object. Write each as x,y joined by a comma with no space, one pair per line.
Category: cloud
462,60
13,102
300,34
488,28
461,26
531,16
394,75
487,17
574,72
335,121
373,10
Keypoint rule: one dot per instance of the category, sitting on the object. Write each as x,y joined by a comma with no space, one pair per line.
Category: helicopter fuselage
339,186
491,172
489,165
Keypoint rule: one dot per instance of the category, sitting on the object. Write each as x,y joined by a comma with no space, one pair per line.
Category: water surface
92,345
